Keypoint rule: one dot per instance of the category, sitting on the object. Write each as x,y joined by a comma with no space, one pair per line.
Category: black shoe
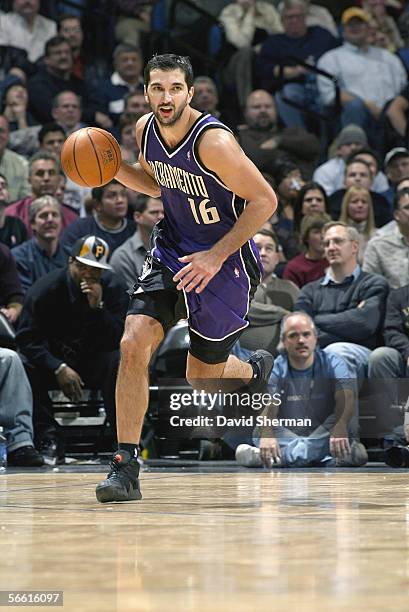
397,456
122,483
262,363
52,451
25,456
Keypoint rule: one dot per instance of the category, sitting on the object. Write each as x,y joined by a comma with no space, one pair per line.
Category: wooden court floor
240,541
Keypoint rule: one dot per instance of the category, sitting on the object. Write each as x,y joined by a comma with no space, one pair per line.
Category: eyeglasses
337,241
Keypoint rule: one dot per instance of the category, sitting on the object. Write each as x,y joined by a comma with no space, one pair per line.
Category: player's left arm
221,154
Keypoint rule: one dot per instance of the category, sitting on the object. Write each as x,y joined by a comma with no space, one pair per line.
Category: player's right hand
199,270
70,383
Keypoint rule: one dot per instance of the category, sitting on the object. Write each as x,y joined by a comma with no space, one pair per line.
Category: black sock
131,447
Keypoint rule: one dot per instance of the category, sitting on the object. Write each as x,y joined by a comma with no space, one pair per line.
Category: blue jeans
16,401
355,356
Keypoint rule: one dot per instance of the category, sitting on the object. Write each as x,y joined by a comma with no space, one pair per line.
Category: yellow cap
354,11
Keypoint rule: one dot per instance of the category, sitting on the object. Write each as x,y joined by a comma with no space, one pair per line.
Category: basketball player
202,262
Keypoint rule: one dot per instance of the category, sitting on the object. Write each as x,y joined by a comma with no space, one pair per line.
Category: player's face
44,177
168,95
114,202
268,253
151,215
47,223
358,207
299,338
313,202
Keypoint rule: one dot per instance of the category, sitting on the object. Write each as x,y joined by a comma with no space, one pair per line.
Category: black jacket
352,311
57,324
396,328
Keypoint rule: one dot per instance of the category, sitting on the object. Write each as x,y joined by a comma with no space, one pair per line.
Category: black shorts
155,295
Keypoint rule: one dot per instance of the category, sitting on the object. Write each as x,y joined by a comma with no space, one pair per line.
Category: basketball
91,157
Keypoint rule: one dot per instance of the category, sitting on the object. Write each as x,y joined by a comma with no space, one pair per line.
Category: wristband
60,368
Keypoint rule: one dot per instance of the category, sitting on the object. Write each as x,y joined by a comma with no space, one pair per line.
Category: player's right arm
139,176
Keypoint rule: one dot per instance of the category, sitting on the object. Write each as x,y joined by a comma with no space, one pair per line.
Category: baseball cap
91,251
352,134
396,152
354,12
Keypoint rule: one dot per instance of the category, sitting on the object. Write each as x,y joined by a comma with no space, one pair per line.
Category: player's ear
190,94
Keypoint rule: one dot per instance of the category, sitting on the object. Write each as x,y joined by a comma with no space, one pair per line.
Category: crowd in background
317,95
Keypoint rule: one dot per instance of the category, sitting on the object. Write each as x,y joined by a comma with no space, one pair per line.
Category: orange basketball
91,157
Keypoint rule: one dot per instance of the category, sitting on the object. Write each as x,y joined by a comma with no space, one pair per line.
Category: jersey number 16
208,214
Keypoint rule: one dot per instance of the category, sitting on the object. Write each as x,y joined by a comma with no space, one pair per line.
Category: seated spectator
298,42
396,169
320,16
126,78
76,343
357,212
281,292
386,253
24,28
369,77
128,143
12,230
289,182
14,107
11,293
331,174
54,78
133,21
66,111
128,259
44,180
359,174
311,264
109,221
247,23
348,304
383,31
392,225
205,97
318,387
13,166
42,253
311,199
135,102
51,138
380,182
263,141
16,411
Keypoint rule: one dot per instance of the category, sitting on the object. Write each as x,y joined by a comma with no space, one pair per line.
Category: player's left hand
339,443
199,270
93,291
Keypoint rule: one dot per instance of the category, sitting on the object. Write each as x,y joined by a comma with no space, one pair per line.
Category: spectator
133,21
24,28
392,225
357,212
11,293
44,180
388,254
70,28
66,111
318,388
13,166
126,78
109,221
12,230
311,264
129,146
135,102
205,97
128,259
263,141
348,304
247,23
15,102
369,77
359,174
42,253
77,343
380,182
298,42
397,169
16,411
383,31
281,292
51,138
54,78
310,199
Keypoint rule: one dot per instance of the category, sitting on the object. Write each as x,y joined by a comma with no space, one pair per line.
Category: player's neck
173,134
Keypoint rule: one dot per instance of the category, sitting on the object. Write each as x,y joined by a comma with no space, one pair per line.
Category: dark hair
269,234
282,168
98,192
398,195
315,221
141,203
300,198
64,17
168,62
47,128
55,41
357,161
354,156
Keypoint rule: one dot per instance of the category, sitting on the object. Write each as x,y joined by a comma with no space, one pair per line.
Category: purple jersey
198,207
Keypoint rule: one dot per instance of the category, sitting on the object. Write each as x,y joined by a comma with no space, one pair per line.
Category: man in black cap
69,332
396,164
